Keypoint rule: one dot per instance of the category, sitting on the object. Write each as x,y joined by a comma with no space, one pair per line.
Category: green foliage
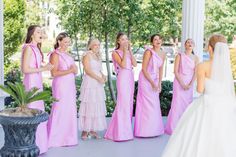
163,17
220,18
166,97
12,73
78,82
14,11
48,102
33,13
68,12
110,104
22,97
139,19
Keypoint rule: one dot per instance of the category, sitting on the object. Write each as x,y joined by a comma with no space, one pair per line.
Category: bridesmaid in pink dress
92,111
62,123
148,119
31,65
120,127
185,75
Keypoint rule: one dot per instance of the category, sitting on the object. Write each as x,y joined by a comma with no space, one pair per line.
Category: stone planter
20,135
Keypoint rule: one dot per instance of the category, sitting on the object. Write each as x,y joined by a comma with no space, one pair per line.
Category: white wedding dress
208,127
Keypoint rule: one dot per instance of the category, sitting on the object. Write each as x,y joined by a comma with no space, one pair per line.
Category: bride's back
203,73
207,68
215,76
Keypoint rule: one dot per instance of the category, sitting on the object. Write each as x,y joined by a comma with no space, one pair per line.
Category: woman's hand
185,87
154,87
74,69
126,48
104,77
48,67
101,80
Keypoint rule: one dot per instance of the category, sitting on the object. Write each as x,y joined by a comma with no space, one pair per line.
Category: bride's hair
215,39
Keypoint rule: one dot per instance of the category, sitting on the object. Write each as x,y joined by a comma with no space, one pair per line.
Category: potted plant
20,123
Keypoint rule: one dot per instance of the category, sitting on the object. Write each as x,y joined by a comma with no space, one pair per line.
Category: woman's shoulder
27,49
148,51
53,55
116,53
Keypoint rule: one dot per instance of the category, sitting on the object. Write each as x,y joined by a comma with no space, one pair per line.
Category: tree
165,17
129,15
108,25
33,13
220,18
14,12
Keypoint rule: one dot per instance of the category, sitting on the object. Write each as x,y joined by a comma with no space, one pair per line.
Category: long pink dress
148,119
120,127
35,80
62,123
92,111
181,98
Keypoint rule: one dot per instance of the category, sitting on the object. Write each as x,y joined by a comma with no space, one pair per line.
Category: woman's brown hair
154,35
30,32
117,39
193,43
60,37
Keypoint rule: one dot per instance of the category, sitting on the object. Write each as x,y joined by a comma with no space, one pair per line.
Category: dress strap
60,55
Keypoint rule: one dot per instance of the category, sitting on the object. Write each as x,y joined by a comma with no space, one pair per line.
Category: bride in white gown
208,127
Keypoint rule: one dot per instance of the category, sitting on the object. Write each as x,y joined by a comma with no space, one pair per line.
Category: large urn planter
20,123
19,135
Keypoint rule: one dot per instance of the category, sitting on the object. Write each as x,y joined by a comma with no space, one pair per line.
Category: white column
193,13
2,95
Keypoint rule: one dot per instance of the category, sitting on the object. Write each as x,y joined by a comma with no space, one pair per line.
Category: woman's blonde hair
215,39
90,44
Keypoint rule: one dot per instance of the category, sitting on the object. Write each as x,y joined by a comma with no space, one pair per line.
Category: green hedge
166,97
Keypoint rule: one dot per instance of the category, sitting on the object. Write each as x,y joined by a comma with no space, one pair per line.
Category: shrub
78,82
12,73
166,97
23,97
48,102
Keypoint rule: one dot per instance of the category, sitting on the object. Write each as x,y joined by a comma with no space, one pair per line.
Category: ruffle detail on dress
89,95
92,123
